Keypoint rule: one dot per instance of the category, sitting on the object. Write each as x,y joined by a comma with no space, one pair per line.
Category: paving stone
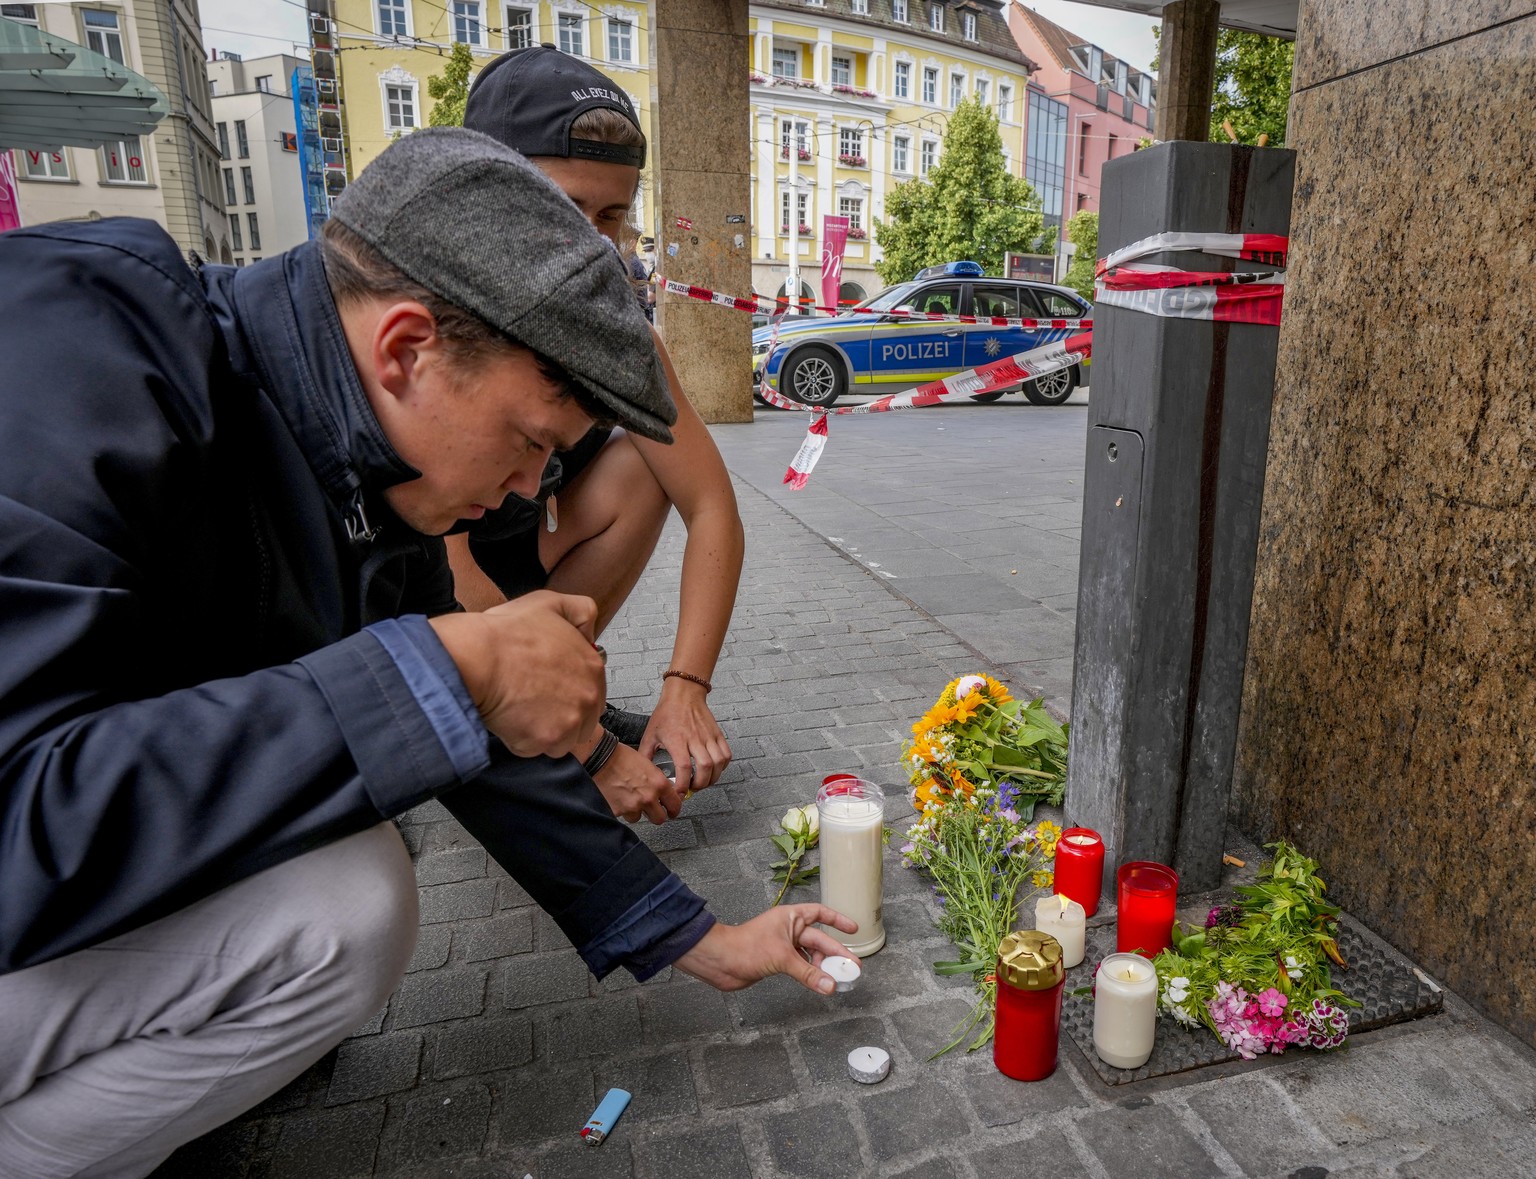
701,865
1149,1141
901,1121
598,1028
660,1087
432,945
936,1168
715,1153
1492,1147
743,1074
446,836
1002,1101
670,836
547,935
455,902
531,979
1493,1064
926,1028
435,1125
374,1067
736,901
736,826
482,1046
574,1159
428,812
1030,1154
439,995
328,1144
815,1143
448,867
538,1105
510,894
825,1048
497,937
374,1026
680,1013
1275,1142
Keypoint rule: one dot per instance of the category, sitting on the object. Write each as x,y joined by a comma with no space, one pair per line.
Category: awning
54,92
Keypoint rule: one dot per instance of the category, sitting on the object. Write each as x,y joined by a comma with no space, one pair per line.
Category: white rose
967,684
802,820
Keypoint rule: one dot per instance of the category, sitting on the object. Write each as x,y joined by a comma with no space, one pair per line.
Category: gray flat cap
476,223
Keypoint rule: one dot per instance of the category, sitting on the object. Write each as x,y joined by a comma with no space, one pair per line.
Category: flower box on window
803,153
841,88
805,231
852,161
855,234
759,79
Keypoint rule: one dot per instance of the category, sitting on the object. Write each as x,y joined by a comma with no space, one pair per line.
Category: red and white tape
1217,296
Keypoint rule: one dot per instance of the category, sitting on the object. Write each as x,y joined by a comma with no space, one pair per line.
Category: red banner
834,237
10,208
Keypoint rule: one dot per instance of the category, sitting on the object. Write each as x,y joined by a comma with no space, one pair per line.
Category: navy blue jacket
192,547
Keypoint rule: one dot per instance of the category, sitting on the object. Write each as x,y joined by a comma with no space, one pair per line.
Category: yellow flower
1046,837
968,708
996,691
1042,878
923,748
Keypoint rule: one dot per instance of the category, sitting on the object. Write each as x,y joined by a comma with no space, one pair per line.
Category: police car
869,350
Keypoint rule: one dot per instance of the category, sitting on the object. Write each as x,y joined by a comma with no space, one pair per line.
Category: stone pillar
1186,71
701,152
1389,707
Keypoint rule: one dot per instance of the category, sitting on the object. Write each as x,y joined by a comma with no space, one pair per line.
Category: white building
260,184
172,176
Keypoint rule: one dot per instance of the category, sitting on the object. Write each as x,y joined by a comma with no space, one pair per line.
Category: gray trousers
113,1056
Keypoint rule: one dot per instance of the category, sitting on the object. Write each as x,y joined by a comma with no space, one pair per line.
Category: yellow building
863,87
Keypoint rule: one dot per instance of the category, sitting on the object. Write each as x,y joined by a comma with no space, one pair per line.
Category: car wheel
813,376
1053,388
988,398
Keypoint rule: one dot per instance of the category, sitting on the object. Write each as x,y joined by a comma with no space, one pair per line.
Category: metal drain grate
1387,986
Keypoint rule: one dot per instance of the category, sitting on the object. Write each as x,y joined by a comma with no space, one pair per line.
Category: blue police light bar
954,270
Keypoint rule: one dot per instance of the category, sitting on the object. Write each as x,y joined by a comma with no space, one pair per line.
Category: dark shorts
505,543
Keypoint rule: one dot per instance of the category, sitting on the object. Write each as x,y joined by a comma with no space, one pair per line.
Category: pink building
1085,106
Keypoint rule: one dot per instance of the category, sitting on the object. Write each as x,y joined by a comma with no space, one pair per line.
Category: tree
1083,232
1253,86
450,89
968,206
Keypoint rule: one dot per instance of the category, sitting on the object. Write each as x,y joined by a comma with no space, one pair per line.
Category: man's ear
404,335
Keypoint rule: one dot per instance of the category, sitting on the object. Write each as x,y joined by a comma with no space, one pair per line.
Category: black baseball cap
529,98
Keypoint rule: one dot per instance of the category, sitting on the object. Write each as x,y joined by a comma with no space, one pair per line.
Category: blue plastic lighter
600,1124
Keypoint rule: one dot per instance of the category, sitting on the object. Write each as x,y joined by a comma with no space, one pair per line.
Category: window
572,34
968,24
1082,147
903,79
956,89
853,209
1082,201
900,147
256,259
1004,102
249,184
860,7
234,231
1058,306
103,34
519,28
930,85
929,155
799,131
22,14
239,261
899,11
242,142
842,71
229,187
392,18
1003,301
850,144
44,165
1045,154
983,92
264,83
1122,76
1111,154
621,44
786,63
935,300
250,220
213,87
123,162
802,211
223,130
1146,90
467,28
399,108
936,17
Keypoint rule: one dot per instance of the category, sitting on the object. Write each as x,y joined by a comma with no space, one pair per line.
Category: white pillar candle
844,971
852,822
1066,921
1125,1010
868,1066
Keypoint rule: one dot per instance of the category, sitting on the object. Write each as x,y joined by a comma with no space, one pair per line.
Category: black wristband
600,756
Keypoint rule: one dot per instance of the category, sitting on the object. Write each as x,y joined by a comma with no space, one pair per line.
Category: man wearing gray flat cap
232,653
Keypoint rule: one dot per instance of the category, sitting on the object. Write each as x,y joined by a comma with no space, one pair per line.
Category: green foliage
967,207
1083,232
796,838
1253,86
449,90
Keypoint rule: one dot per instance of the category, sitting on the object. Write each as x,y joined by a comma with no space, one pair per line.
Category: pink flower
1272,1003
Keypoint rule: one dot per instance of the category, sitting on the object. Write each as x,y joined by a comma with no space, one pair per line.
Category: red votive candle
1080,867
1029,991
1149,893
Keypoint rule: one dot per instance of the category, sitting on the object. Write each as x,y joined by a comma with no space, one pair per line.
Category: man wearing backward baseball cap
230,653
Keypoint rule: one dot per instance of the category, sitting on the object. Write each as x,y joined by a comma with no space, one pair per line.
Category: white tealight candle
1125,1010
869,1066
1066,921
844,971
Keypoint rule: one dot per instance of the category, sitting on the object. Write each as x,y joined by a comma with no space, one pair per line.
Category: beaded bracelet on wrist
691,678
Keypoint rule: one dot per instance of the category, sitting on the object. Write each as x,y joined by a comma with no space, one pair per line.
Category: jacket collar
283,332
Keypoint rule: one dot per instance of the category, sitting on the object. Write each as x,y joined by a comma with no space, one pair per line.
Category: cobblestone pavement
498,1044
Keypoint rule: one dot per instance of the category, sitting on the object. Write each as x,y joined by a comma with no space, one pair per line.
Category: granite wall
1389,710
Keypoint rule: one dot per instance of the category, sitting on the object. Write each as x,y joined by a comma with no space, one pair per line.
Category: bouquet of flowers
1258,975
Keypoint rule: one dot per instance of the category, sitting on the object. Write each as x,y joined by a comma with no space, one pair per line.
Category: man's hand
683,725
635,787
784,940
531,669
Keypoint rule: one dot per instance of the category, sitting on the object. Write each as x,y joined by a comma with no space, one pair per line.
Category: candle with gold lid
1029,987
